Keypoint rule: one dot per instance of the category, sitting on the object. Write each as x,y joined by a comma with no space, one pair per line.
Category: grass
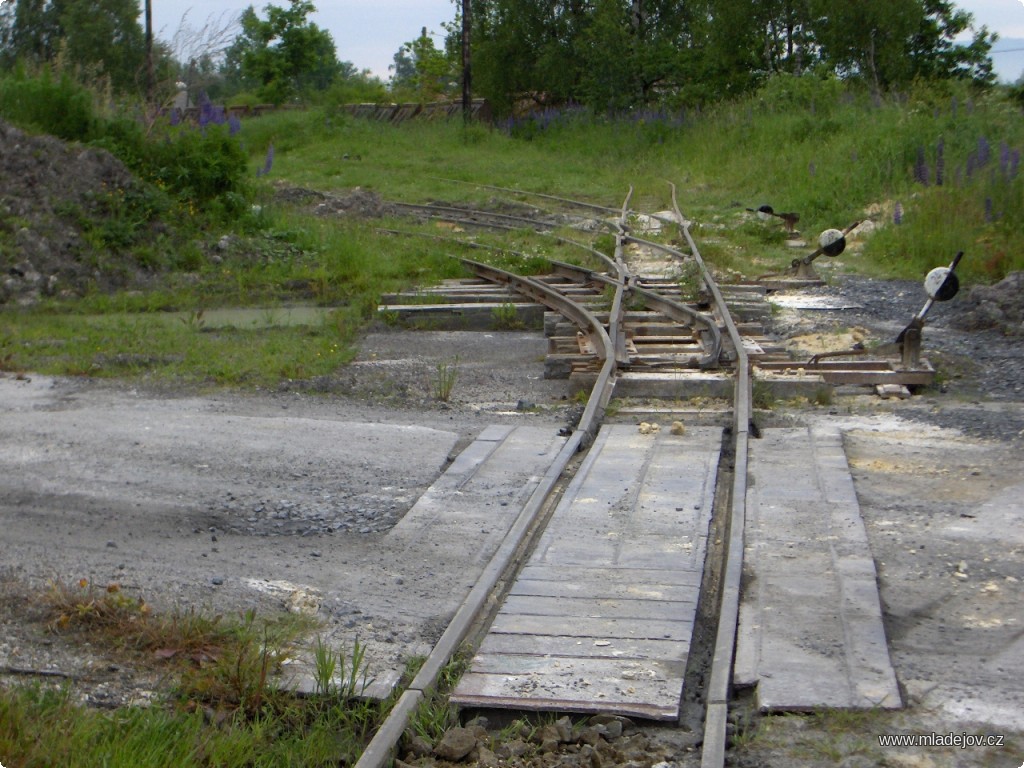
223,706
445,376
801,144
434,715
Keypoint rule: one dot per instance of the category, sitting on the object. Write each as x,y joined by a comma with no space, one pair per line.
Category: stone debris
601,741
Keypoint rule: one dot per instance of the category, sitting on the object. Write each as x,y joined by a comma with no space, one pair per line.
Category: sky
368,33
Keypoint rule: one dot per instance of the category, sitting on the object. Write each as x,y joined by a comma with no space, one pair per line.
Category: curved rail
378,752
610,349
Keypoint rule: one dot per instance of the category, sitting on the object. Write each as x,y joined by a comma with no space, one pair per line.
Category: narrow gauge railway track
617,588
607,340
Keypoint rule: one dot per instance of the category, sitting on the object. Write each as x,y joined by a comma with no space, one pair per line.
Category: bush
200,164
59,107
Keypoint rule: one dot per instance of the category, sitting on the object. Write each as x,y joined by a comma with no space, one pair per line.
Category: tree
891,42
106,35
423,69
283,55
100,36
622,54
935,54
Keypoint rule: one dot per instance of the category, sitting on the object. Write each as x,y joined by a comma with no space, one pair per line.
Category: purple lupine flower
1004,158
984,152
989,218
940,162
234,125
921,168
897,214
268,163
1014,164
174,118
205,109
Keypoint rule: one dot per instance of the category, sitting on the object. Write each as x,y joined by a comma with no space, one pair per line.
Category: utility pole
149,51
467,72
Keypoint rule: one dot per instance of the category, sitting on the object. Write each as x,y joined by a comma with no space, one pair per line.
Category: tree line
608,55
623,54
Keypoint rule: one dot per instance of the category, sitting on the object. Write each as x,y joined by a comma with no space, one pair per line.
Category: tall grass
803,144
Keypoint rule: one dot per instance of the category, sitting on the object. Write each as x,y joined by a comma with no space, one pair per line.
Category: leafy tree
891,42
934,53
106,34
99,36
283,55
423,70
621,54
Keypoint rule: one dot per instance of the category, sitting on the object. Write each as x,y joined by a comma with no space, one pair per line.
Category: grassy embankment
944,165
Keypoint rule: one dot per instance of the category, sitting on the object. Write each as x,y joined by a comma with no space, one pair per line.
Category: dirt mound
355,203
55,201
999,306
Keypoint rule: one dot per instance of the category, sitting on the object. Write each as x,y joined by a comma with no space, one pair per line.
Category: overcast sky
368,33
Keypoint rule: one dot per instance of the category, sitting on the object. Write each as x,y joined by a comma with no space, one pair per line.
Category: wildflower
268,163
984,152
921,168
897,214
940,162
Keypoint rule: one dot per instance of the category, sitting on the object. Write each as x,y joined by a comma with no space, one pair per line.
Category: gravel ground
275,499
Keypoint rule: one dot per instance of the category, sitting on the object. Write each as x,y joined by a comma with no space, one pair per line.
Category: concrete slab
810,632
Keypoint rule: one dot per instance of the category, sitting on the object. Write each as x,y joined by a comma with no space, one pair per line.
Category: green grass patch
222,706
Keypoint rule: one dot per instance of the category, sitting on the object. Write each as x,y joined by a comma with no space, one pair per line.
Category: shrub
58,106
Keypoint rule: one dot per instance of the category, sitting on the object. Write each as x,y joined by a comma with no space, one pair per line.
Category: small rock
455,744
217,581
487,759
416,746
513,748
563,730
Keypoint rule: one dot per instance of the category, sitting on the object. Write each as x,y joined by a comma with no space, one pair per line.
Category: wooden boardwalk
600,618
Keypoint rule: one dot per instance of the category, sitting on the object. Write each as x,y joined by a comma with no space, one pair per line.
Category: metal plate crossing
601,616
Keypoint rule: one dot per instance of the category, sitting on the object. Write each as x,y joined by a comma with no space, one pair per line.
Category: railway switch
831,242
941,284
789,219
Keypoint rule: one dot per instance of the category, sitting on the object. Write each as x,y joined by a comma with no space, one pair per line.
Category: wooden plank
810,626
644,670
589,573
586,607
529,692
555,626
607,590
585,648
